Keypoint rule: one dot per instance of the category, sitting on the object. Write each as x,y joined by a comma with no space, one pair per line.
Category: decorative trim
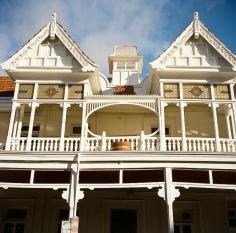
75,51
52,29
196,28
13,61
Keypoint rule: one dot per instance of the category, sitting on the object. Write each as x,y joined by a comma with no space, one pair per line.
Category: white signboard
65,227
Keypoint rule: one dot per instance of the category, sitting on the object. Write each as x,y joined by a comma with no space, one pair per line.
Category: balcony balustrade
135,143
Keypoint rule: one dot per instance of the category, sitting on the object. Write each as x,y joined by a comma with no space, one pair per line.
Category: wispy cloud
97,25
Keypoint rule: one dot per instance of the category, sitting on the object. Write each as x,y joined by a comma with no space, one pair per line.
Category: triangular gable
195,30
52,30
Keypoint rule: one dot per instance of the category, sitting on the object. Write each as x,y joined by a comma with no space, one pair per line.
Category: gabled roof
52,29
195,28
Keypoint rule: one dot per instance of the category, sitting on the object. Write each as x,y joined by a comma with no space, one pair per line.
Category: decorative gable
197,53
49,53
196,47
51,48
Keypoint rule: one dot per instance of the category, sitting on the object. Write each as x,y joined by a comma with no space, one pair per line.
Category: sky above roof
98,25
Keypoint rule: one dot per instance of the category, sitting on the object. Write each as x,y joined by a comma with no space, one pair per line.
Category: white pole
22,109
63,125
9,135
169,200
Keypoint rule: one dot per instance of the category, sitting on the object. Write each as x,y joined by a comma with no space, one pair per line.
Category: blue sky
98,25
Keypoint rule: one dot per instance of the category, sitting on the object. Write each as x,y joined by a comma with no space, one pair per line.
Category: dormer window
131,65
120,65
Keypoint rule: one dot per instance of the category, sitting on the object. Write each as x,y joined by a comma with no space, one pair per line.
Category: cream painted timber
4,123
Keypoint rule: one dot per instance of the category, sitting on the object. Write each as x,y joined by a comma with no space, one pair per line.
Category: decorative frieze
171,90
196,91
75,91
48,91
26,91
222,91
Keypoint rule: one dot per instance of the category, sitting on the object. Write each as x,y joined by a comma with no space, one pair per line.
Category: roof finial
196,25
53,24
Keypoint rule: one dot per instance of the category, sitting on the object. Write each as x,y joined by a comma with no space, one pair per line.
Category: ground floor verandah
118,211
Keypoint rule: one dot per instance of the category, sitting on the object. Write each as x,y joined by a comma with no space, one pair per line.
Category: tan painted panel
50,91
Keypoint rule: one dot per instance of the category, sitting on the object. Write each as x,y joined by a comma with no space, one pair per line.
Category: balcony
133,143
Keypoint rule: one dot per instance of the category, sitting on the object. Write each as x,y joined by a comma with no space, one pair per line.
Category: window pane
177,229
8,228
232,222
186,229
120,65
20,228
130,65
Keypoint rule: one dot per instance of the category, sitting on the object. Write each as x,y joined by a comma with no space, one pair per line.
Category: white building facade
83,152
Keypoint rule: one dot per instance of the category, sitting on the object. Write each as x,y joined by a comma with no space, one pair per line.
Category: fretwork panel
196,91
222,91
48,91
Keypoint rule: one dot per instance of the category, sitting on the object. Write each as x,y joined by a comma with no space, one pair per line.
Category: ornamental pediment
197,53
196,47
50,48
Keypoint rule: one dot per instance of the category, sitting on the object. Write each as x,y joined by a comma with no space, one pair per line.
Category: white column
22,109
63,125
169,193
182,105
232,116
83,134
227,117
169,200
162,126
16,123
233,107
214,107
31,125
10,128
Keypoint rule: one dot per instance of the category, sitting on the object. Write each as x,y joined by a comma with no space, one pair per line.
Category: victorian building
122,154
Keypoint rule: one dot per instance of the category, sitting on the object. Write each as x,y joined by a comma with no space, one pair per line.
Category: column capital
182,104
66,194
65,105
213,105
164,104
173,193
34,104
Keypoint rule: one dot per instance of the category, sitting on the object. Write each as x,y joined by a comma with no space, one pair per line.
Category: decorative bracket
172,194
79,195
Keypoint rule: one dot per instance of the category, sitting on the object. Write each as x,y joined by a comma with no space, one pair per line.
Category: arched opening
123,120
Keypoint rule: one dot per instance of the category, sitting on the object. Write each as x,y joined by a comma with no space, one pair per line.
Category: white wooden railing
136,143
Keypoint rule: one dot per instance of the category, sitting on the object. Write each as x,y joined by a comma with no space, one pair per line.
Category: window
154,129
131,65
25,130
76,130
15,221
120,65
183,221
232,218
